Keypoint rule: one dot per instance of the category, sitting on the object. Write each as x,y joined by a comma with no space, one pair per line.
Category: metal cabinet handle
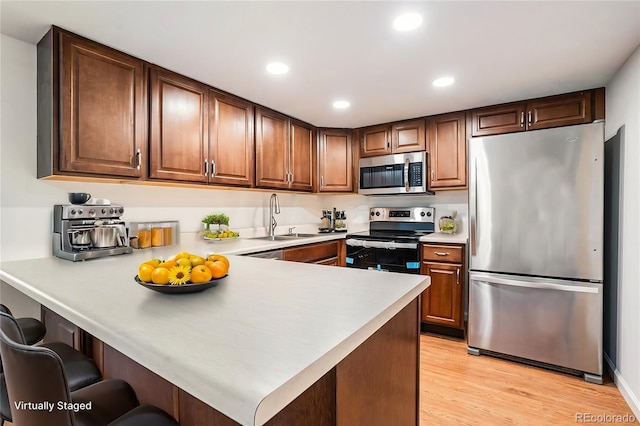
522,119
206,167
213,168
138,159
441,253
290,177
433,175
388,145
458,276
322,181
529,118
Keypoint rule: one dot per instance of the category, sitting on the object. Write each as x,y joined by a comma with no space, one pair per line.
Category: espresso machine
87,231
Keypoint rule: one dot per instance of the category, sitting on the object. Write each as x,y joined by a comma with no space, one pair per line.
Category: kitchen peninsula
274,343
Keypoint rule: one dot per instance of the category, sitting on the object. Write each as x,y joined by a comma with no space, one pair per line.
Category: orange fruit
184,254
160,276
183,261
219,257
200,274
168,264
218,268
196,260
144,272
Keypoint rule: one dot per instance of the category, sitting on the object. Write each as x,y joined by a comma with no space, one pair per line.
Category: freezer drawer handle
539,285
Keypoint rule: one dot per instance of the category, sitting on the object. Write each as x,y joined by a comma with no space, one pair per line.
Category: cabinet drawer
313,253
442,253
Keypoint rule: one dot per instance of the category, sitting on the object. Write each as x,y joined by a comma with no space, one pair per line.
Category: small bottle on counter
144,236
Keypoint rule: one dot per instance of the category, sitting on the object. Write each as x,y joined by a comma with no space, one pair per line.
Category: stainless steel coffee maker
87,231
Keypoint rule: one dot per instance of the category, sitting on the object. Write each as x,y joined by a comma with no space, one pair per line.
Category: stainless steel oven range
392,241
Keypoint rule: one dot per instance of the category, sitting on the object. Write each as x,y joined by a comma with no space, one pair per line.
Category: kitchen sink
284,237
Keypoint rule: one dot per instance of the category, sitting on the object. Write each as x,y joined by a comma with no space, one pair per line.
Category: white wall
623,108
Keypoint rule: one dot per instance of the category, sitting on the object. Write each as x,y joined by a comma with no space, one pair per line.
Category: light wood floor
461,389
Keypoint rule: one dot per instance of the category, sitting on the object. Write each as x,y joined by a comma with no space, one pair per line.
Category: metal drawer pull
206,167
138,159
458,276
522,119
442,253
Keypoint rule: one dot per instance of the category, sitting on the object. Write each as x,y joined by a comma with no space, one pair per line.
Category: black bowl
79,197
174,289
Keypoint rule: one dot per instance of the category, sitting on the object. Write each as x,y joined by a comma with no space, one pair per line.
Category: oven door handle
388,245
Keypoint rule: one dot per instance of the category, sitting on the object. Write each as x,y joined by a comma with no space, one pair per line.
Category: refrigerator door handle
473,204
537,283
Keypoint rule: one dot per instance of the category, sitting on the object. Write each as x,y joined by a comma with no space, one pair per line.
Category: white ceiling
497,51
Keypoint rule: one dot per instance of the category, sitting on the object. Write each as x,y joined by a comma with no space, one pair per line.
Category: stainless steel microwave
394,174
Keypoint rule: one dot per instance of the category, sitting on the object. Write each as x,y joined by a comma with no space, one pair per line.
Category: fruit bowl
179,289
220,239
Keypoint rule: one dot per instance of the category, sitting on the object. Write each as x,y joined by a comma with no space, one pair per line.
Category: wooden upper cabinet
102,107
231,140
301,152
559,111
408,136
179,127
500,119
335,163
375,140
553,111
272,149
447,151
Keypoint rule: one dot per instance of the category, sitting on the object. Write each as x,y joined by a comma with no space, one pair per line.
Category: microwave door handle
406,175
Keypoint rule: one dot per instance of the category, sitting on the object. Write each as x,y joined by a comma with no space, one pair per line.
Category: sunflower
179,275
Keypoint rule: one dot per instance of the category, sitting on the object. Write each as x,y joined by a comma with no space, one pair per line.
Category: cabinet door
313,253
442,301
231,142
448,151
408,136
179,127
559,111
375,140
60,329
499,119
102,110
272,148
334,161
301,154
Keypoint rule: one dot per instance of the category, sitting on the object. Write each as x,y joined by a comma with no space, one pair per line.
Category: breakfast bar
271,343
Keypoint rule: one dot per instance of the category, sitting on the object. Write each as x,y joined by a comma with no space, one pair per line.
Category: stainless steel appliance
394,174
392,242
88,231
536,229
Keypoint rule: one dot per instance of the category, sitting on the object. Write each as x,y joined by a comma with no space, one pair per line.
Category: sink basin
284,237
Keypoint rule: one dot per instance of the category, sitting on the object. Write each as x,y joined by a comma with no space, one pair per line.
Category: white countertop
441,237
246,347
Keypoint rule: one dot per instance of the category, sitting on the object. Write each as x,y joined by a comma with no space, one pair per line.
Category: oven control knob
422,214
111,211
428,214
372,214
120,210
104,211
73,211
377,213
92,212
80,211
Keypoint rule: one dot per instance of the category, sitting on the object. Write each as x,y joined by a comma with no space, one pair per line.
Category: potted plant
215,219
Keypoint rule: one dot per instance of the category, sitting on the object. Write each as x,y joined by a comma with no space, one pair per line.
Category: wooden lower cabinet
327,253
377,381
60,329
443,301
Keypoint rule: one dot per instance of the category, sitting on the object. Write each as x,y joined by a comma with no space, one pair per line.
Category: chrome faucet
274,208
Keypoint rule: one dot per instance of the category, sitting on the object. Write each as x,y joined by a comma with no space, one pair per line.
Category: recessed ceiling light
341,104
443,81
277,68
407,22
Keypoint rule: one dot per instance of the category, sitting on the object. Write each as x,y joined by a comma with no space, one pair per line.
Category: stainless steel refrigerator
536,242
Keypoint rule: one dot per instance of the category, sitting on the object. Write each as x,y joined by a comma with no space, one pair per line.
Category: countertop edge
281,397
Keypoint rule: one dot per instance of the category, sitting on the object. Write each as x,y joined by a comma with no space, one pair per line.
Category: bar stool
80,370
32,329
36,374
